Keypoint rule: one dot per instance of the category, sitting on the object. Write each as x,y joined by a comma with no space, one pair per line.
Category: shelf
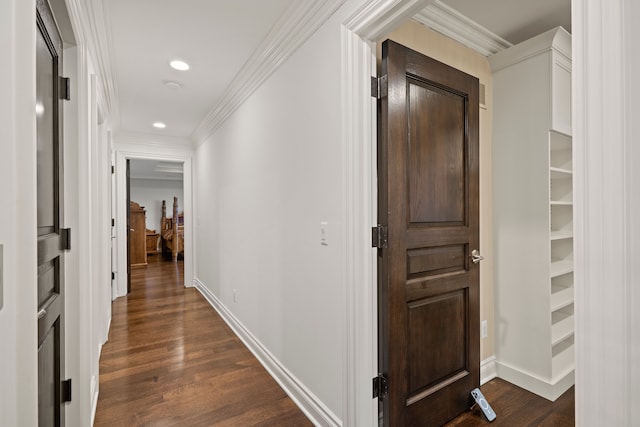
561,218
560,146
560,203
558,268
560,187
562,325
560,173
561,298
561,234
563,356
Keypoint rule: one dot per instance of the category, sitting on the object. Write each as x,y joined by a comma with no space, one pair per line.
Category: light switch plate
324,233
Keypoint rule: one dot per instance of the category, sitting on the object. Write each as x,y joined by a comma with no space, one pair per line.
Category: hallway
171,360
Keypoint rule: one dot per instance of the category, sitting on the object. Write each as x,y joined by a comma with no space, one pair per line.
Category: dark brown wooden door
429,344
49,215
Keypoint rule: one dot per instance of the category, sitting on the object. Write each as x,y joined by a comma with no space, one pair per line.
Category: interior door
429,344
49,215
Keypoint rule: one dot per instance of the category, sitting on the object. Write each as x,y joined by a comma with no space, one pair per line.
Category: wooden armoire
137,235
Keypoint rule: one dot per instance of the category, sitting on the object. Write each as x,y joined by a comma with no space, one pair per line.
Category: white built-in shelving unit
533,214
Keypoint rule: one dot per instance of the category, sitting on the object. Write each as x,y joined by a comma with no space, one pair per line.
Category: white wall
264,182
18,359
151,192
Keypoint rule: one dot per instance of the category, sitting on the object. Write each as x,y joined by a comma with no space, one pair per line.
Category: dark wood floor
172,361
516,407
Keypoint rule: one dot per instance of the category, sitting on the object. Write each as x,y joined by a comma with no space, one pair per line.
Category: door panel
428,198
50,296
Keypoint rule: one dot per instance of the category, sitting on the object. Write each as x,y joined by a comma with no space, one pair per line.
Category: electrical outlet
235,298
483,329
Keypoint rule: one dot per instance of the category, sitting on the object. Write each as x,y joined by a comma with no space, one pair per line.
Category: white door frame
148,152
359,35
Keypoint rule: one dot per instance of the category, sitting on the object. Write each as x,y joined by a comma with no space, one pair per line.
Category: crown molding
92,29
556,39
299,22
151,140
448,21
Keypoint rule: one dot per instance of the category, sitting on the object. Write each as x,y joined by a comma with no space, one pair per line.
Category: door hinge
380,237
113,276
66,390
113,222
380,386
113,169
379,87
65,239
65,88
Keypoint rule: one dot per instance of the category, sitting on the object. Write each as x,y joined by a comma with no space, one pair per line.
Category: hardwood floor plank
516,407
172,361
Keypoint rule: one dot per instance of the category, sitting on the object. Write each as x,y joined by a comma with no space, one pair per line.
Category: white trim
309,403
293,29
90,21
448,21
142,150
535,384
605,57
488,370
94,399
359,33
556,39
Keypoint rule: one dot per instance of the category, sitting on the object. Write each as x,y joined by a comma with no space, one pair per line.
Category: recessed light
179,65
159,125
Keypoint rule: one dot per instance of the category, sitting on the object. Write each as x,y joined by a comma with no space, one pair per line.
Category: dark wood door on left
49,215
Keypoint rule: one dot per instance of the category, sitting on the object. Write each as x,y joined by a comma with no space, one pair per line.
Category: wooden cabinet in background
137,235
152,242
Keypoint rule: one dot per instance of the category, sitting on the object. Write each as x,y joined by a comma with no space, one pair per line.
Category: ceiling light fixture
159,125
179,65
173,85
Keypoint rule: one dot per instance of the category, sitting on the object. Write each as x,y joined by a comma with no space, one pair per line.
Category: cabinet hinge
380,386
379,87
65,239
66,390
380,237
65,88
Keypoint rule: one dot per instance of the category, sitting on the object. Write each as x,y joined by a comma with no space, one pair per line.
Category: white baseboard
488,370
309,403
94,399
535,384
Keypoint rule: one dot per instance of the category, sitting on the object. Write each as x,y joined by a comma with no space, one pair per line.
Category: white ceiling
156,169
215,37
218,37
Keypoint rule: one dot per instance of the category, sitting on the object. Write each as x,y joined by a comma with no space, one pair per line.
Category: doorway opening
140,219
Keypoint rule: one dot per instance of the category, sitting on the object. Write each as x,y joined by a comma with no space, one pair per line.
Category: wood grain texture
172,361
515,406
428,197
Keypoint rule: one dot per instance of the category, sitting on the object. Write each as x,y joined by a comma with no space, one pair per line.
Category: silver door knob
476,257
